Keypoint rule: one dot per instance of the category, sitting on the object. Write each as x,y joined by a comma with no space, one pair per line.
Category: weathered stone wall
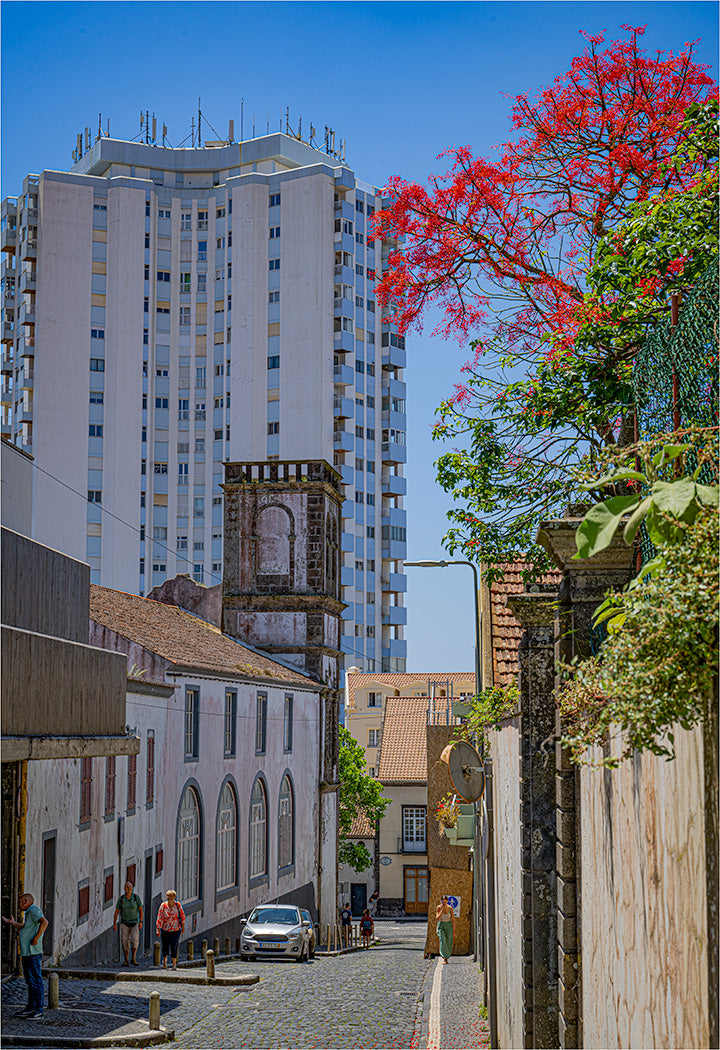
644,909
505,750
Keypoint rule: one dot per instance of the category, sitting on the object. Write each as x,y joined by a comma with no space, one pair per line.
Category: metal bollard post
210,963
216,946
203,949
53,991
237,945
156,953
227,945
191,949
154,1011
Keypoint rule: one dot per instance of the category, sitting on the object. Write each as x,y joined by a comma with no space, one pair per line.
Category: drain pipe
490,912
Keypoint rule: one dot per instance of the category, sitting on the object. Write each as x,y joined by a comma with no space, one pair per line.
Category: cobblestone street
376,999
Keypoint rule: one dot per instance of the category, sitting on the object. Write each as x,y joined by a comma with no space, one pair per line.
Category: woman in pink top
170,924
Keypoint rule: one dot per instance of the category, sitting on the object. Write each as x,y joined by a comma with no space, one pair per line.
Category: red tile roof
361,828
183,639
403,748
505,629
359,680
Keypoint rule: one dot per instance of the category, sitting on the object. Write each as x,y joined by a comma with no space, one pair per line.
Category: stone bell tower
281,593
281,571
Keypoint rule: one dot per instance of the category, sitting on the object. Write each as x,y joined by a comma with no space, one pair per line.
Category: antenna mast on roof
199,123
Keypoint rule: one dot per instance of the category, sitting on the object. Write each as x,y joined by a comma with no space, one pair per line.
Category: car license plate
265,945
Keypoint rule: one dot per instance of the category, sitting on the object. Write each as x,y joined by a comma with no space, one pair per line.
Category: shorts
129,935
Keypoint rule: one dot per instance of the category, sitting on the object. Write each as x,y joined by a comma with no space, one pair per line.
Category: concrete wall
643,912
16,475
43,590
505,749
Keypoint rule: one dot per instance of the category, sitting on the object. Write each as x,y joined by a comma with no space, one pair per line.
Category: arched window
226,846
188,847
258,831
286,844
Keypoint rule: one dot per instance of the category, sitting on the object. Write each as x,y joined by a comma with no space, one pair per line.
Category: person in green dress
445,927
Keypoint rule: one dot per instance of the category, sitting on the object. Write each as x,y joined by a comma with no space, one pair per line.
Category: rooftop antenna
99,134
287,120
164,133
299,135
231,131
312,134
253,125
242,115
78,146
154,129
199,123
107,130
87,139
192,131
267,125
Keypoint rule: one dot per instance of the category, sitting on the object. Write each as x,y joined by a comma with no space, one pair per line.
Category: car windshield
281,916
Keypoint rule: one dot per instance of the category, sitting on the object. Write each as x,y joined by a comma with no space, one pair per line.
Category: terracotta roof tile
403,748
360,679
183,639
505,629
361,828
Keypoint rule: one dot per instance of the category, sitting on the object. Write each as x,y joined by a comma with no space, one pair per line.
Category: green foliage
659,669
358,794
524,421
662,505
487,710
447,812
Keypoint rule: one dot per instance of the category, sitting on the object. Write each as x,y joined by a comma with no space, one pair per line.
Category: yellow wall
391,875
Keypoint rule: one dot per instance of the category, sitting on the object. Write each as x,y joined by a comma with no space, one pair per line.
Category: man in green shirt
30,936
130,911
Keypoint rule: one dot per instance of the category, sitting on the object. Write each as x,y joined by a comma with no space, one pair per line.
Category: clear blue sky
399,81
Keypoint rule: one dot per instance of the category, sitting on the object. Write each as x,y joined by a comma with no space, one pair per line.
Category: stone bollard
216,946
154,1011
210,963
327,938
53,991
237,945
157,950
203,949
191,949
227,945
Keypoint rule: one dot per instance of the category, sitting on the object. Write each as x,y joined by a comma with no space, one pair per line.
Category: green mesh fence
690,353
692,350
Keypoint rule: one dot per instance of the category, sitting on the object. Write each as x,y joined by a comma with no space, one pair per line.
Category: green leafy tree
358,794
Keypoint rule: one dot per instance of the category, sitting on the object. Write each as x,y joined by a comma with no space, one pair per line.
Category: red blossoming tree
503,247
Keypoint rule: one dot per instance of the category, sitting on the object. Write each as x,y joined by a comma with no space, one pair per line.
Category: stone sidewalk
452,1000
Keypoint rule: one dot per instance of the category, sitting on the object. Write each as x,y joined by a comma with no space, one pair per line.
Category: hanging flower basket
447,812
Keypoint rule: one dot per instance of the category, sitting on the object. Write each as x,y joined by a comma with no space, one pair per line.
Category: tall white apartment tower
165,310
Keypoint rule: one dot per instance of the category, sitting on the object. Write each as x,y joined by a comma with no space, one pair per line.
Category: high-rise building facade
167,310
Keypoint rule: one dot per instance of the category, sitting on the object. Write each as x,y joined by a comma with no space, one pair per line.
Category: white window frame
286,844
258,831
226,844
188,847
414,829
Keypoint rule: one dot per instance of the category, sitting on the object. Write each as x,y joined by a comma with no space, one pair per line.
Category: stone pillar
585,581
536,614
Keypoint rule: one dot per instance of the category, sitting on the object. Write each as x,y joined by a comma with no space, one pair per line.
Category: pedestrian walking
170,925
346,920
445,917
366,927
30,935
129,910
373,904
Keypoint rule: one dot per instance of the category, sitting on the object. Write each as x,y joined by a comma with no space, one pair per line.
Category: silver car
277,930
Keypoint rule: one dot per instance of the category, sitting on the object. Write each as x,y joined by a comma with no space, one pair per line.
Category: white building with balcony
166,310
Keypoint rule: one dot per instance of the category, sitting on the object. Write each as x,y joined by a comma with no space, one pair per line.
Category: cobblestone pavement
363,1000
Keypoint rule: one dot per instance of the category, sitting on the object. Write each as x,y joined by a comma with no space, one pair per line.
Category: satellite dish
466,770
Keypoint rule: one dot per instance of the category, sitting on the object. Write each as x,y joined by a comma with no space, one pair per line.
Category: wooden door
416,891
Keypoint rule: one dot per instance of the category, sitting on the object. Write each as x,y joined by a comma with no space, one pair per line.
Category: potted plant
447,812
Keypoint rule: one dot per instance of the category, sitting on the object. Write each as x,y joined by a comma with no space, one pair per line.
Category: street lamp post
485,922
478,657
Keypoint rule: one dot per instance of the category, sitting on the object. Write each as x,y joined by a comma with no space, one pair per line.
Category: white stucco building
223,802
167,310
